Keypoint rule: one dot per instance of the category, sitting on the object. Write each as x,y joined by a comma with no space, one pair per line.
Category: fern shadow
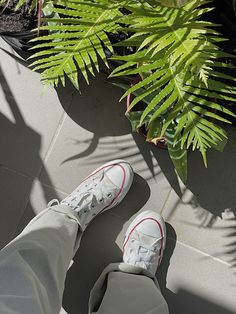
98,110
214,187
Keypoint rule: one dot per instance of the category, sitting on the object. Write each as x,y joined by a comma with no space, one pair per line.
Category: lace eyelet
92,205
109,195
85,210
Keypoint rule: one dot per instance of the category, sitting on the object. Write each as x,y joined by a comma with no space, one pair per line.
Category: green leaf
154,131
173,3
76,40
184,85
178,154
134,118
220,144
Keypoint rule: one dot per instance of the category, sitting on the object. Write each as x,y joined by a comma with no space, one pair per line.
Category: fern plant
178,53
76,41
184,86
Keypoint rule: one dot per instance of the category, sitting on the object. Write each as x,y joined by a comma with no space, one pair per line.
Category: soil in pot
17,28
22,20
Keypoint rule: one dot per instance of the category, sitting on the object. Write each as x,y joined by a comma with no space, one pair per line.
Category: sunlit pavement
51,139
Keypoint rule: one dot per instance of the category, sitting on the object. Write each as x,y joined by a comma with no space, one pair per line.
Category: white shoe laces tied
140,253
86,197
89,195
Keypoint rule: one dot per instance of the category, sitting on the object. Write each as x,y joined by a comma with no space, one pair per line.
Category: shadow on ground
98,110
214,187
183,300
85,271
20,162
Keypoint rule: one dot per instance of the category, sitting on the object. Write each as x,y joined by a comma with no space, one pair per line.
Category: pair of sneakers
102,190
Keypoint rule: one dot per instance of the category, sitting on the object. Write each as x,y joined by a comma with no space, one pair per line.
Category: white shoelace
139,253
87,196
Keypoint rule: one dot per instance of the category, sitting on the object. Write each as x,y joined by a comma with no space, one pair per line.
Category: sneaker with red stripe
103,189
145,241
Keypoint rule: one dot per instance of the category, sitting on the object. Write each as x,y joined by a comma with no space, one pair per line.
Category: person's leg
131,287
33,266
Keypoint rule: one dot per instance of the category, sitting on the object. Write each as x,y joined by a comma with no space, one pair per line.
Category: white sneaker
145,241
103,189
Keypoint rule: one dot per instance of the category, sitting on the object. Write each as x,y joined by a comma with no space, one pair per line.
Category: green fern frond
173,3
178,32
177,152
77,40
182,59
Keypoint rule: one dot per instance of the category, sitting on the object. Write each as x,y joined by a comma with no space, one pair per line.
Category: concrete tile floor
50,141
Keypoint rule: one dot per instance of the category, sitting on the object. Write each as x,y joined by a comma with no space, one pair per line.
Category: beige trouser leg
33,269
124,289
33,266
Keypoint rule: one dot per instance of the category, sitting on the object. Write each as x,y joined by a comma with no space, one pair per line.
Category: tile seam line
167,198
173,183
44,159
56,133
19,173
201,252
13,235
22,174
53,141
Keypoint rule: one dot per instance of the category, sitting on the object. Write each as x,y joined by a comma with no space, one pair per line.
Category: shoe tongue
147,240
100,176
149,229
109,184
85,199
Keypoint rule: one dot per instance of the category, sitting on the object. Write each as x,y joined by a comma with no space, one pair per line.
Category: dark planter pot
118,50
162,142
20,41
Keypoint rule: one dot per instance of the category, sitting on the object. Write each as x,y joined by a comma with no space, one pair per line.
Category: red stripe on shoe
122,185
162,236
121,188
